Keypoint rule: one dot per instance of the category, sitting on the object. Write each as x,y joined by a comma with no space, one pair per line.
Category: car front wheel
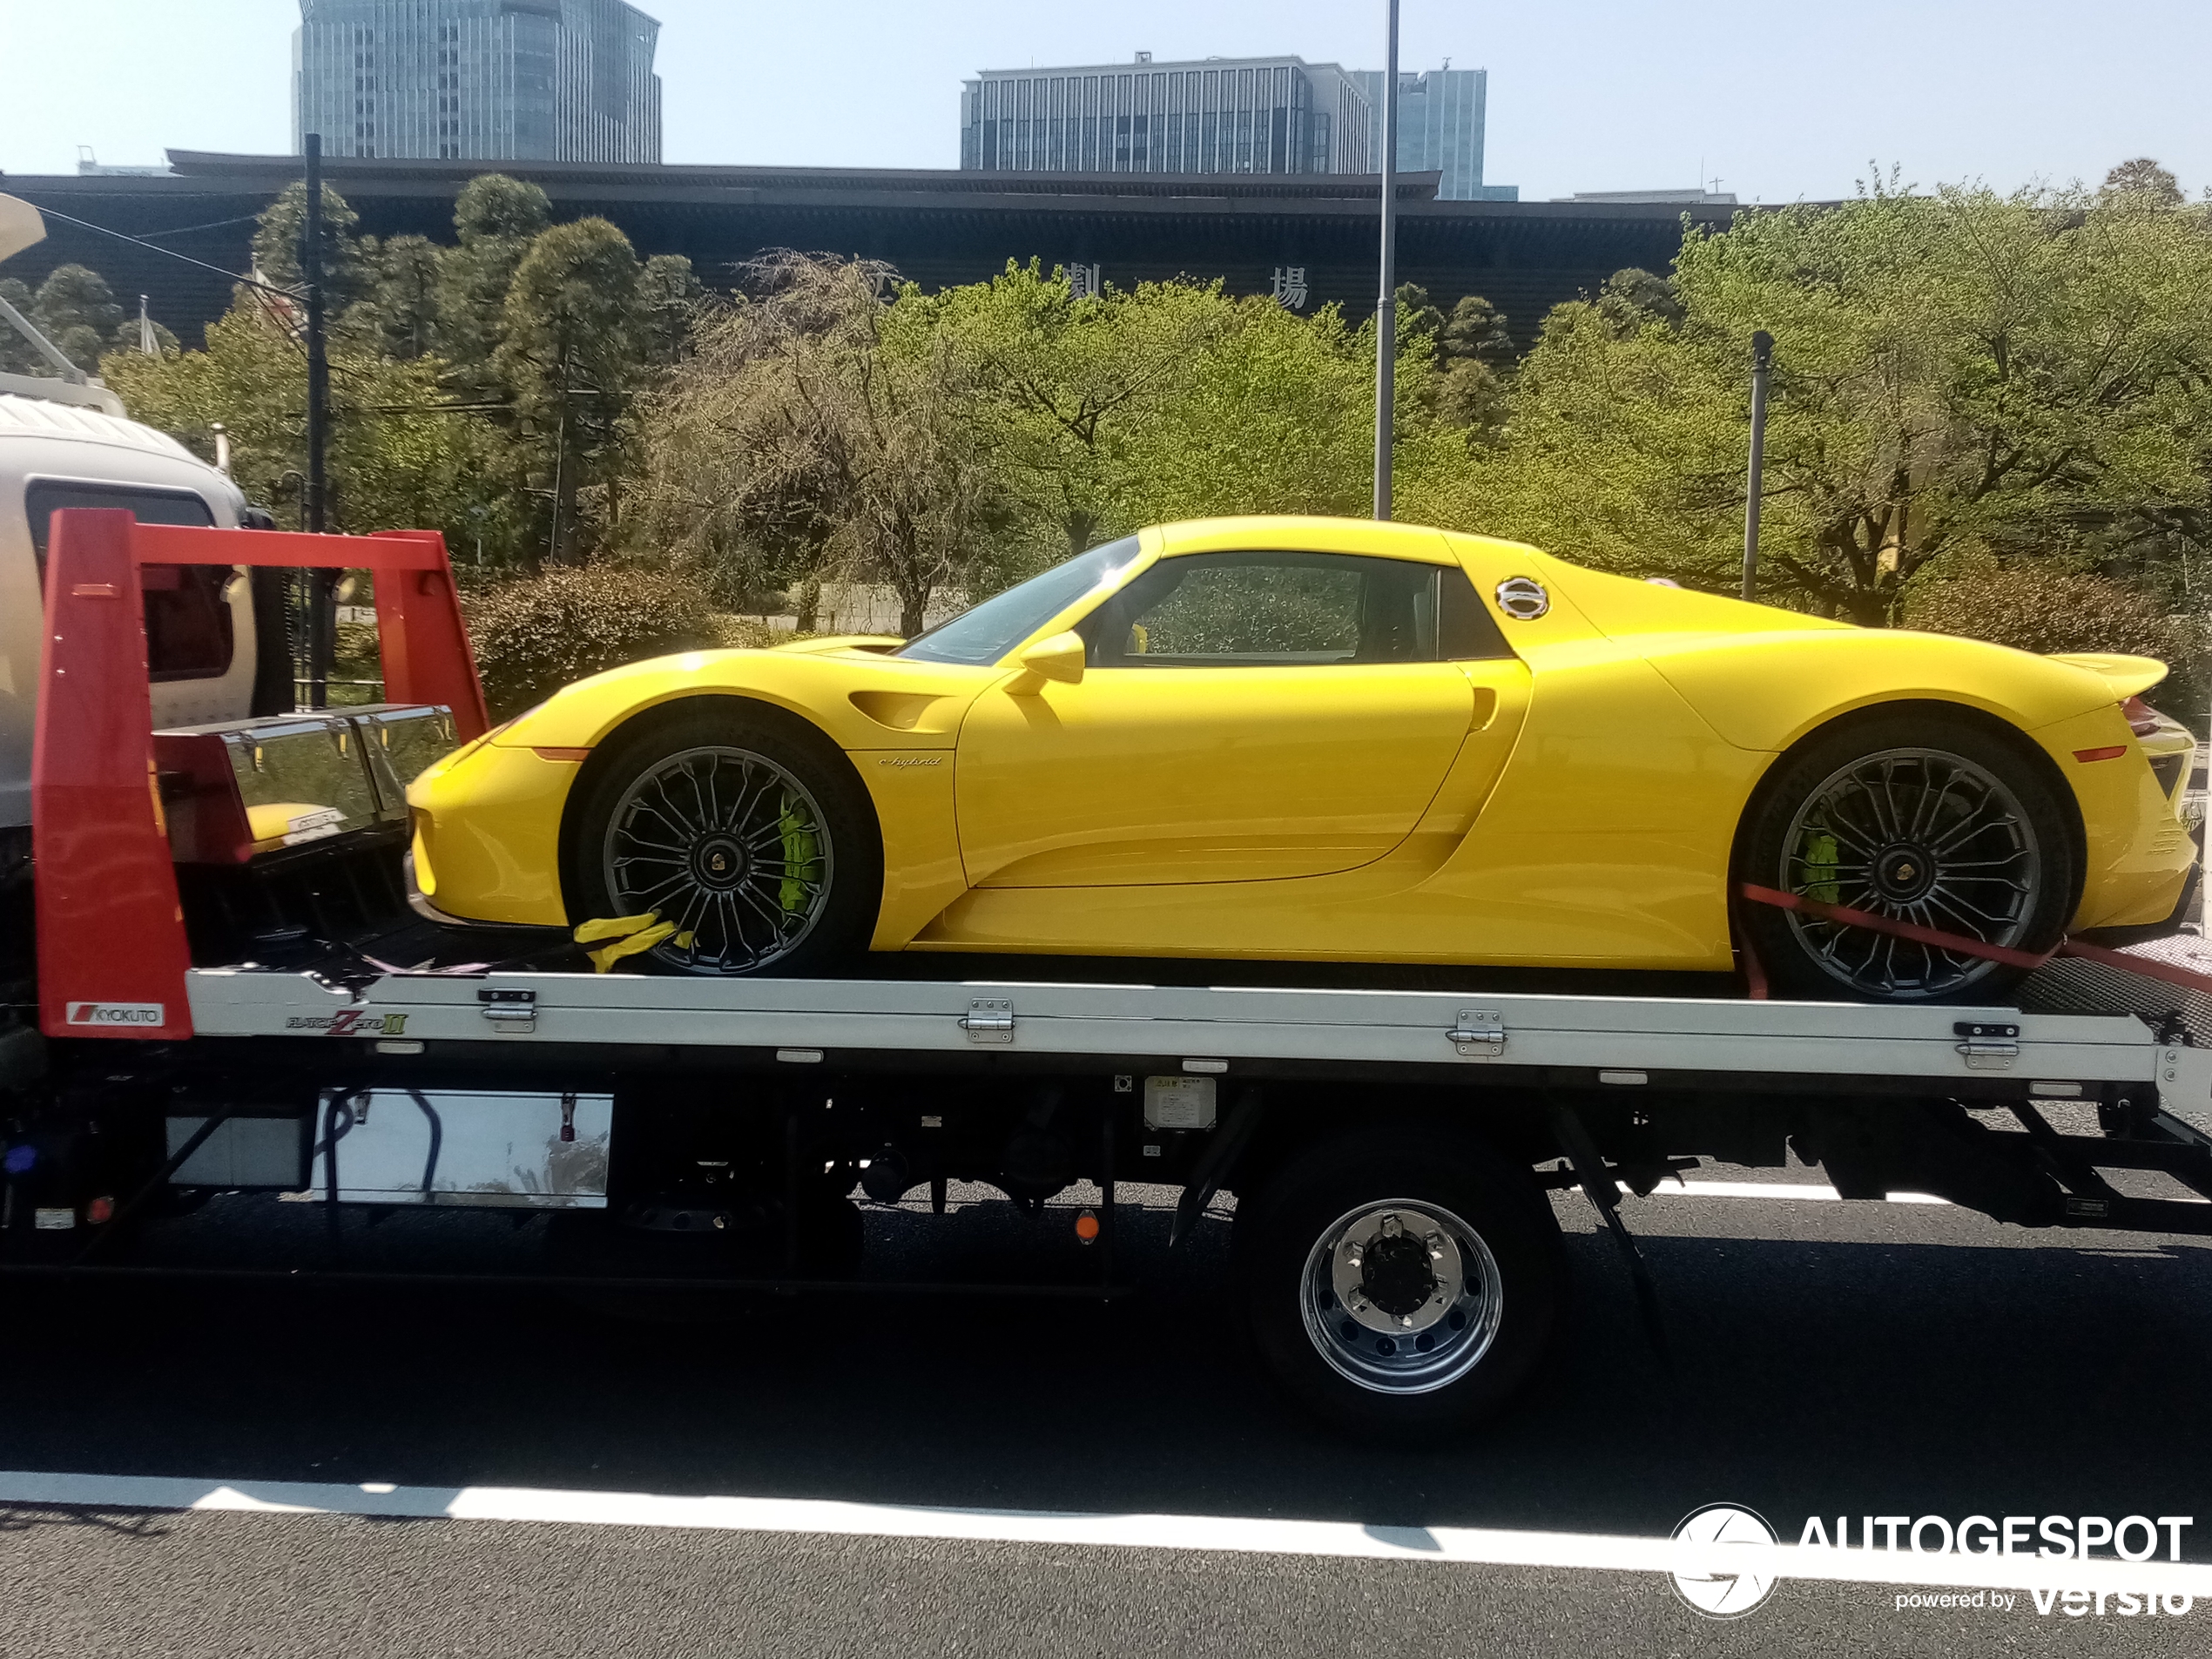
744,831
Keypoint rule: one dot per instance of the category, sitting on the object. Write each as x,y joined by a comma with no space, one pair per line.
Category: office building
1224,115
1440,114
478,80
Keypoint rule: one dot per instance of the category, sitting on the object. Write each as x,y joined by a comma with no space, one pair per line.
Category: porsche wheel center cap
1903,873
718,862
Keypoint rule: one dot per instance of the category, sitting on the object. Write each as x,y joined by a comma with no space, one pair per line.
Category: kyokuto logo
118,1014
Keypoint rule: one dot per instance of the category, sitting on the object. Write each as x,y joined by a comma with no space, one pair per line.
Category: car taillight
2142,720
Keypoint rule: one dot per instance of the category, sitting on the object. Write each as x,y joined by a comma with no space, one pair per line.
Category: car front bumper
487,832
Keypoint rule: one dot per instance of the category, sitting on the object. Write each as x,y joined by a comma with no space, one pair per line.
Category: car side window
1250,609
189,631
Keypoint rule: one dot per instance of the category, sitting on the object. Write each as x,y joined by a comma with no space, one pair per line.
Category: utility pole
1386,306
1762,358
320,623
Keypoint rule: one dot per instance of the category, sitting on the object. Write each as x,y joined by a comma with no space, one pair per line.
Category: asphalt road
1829,1360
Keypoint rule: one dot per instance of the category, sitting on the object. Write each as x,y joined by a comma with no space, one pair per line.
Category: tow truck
234,998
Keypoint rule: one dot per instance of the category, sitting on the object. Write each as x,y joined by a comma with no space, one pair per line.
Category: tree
1952,373
1063,384
1475,332
819,428
395,460
76,310
1631,299
1277,415
670,296
279,238
2145,182
570,351
496,218
404,306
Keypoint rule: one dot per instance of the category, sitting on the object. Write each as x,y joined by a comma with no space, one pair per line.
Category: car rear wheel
1400,1283
1931,823
745,829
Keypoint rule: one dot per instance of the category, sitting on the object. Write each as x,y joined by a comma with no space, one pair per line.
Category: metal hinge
511,1010
988,1022
1987,1047
1480,1035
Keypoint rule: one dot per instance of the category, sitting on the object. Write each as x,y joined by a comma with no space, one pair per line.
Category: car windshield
989,630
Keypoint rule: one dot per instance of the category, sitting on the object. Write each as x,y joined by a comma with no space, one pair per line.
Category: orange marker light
1086,1226
2113,753
562,754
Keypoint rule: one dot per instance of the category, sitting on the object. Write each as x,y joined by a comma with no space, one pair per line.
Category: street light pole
1762,358
1386,304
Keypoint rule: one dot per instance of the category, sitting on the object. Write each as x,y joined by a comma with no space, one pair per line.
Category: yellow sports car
1331,739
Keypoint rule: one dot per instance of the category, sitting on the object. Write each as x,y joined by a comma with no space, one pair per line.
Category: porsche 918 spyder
1333,740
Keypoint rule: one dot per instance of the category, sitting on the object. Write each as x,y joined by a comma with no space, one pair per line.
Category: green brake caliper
802,854
1820,860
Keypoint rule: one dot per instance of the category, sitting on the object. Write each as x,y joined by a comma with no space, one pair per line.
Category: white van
202,644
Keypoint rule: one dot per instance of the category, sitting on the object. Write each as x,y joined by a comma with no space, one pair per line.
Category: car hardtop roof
1309,533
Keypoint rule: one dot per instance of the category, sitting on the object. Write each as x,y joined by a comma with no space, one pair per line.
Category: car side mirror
1060,658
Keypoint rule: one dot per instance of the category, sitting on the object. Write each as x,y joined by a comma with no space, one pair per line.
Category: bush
2039,608
536,636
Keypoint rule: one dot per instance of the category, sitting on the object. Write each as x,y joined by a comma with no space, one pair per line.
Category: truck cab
203,645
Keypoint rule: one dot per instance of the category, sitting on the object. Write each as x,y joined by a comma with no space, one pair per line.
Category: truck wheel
1933,822
1400,1283
742,825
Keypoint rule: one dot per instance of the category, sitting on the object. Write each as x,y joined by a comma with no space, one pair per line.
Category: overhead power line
169,253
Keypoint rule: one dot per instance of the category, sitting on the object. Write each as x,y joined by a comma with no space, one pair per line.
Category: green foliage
534,636
2144,181
495,219
279,238
572,339
76,311
395,460
402,311
1953,374
1476,331
1064,389
670,297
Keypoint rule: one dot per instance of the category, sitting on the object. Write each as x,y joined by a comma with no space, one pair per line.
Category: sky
1779,101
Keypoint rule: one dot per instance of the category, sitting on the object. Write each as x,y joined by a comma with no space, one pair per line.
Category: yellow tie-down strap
631,936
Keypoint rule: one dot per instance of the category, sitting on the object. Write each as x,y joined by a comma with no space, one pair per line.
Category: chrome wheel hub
729,848
1401,1296
1920,836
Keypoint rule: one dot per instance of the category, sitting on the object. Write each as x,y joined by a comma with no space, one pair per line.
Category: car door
1242,716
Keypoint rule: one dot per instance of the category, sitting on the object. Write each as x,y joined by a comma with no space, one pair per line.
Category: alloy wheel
1917,835
730,848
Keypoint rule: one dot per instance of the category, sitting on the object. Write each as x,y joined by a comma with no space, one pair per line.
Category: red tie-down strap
2149,967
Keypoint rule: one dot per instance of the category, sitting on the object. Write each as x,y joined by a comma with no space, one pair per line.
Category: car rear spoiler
2127,675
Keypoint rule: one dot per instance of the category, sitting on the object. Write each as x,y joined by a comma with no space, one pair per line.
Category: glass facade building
478,80
1246,115
1439,128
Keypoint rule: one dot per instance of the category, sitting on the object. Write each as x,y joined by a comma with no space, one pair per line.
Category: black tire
832,866
1508,1268
1933,820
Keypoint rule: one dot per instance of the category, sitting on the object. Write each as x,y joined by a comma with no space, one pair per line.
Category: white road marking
1461,1546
